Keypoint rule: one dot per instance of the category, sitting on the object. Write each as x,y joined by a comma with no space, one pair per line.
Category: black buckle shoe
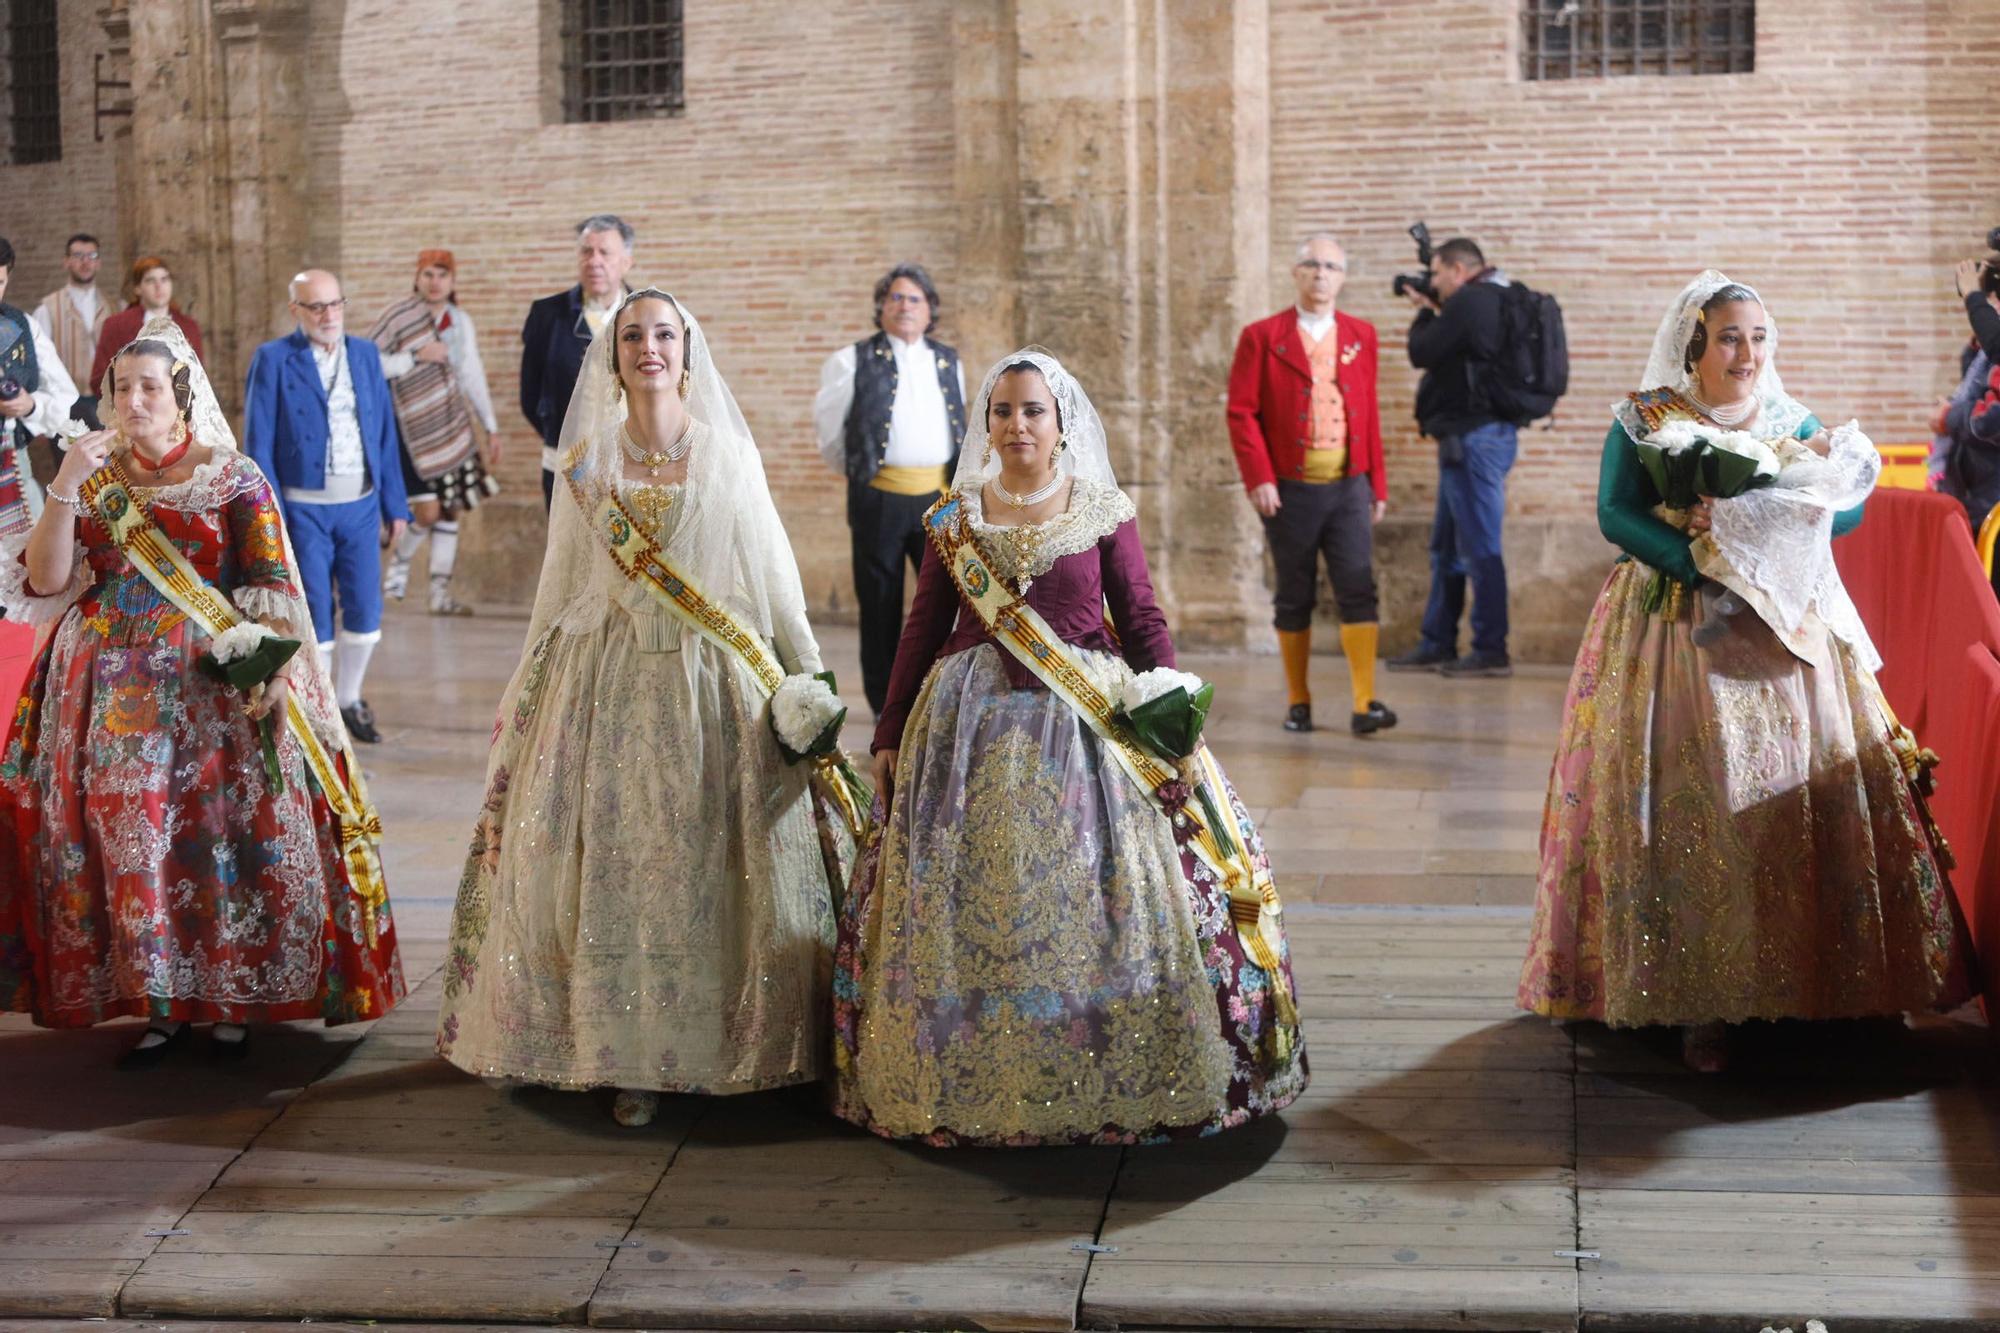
1299,717
1377,718
145,1057
1478,664
360,720
1418,658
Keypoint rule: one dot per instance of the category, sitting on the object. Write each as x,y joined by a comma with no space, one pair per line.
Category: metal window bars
622,59
1595,39
34,82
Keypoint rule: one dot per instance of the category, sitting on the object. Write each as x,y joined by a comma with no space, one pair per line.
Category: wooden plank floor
1447,1150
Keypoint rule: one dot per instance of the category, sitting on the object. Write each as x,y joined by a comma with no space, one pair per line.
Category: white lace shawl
1019,554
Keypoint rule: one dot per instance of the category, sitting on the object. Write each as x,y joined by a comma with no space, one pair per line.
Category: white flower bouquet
246,656
806,715
71,430
1687,461
1166,709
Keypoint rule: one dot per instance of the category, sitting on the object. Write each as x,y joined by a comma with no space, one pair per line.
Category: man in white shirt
43,395
74,314
890,414
317,418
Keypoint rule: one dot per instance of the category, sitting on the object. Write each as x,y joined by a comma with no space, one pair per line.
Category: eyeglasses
318,308
904,298
83,254
1322,266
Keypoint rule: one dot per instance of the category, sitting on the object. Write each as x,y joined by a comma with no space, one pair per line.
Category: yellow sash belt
153,554
1018,627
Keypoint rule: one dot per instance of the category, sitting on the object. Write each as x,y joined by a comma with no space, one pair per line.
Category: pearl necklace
654,460
1032,497
1725,416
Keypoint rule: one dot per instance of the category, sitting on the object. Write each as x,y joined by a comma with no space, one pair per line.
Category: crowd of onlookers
1965,446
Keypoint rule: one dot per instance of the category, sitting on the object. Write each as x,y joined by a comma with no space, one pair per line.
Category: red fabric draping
17,654
1911,570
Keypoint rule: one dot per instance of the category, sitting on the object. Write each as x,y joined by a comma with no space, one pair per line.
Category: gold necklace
656,459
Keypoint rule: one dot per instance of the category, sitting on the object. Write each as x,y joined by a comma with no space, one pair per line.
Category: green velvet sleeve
1847,520
1625,500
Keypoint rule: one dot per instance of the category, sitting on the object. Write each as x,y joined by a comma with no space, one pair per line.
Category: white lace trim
1027,551
21,602
267,605
214,484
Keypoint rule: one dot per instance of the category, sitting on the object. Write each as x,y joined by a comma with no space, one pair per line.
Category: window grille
1598,39
622,59
33,83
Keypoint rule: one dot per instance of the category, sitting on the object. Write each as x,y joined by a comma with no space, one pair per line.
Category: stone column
1111,179
215,175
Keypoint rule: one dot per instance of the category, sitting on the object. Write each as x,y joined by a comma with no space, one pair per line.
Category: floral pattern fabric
1730,835
1026,956
147,868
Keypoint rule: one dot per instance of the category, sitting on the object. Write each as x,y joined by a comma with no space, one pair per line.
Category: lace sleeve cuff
21,601
266,604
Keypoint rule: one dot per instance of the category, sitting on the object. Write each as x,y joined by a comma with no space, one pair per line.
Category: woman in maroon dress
1035,950
150,865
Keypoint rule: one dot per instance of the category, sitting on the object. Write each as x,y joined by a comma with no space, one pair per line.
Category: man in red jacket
1308,441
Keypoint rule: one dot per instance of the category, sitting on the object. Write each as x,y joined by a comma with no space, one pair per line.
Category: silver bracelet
73,501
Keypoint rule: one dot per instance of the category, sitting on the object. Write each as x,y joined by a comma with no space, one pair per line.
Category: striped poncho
430,405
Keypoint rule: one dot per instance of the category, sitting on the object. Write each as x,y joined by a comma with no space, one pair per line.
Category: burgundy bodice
1072,596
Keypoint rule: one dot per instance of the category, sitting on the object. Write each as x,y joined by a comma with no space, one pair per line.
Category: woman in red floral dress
148,866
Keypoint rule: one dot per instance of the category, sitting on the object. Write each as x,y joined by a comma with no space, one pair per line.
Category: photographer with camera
1967,426
35,394
1460,331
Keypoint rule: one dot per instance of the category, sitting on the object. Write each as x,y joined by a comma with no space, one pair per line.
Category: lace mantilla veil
216,483
1773,545
724,532
1086,455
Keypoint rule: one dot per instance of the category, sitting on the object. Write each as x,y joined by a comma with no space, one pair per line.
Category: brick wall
815,150
47,201
818,146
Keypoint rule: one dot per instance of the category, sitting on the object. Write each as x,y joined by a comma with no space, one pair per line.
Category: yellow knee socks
1295,646
1358,642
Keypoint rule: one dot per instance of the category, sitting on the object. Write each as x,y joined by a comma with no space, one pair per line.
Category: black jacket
553,341
1448,346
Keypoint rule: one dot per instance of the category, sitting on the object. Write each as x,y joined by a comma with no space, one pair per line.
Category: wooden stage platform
1449,1163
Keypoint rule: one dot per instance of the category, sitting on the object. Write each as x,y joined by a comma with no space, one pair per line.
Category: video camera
1421,282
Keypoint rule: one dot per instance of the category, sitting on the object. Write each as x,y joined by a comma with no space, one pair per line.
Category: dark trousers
1330,521
1465,540
548,490
885,533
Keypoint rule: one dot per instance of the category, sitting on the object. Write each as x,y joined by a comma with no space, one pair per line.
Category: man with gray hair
559,329
317,418
1304,422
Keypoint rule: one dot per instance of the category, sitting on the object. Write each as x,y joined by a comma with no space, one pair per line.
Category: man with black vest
890,414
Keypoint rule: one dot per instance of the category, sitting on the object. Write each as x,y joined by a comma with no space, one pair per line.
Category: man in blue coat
317,418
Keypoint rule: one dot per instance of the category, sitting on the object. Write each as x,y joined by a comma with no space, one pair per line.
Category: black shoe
1299,717
1419,658
228,1052
360,720
1377,718
145,1057
1478,664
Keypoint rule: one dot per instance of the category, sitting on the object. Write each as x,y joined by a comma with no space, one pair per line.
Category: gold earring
986,458
684,386
180,430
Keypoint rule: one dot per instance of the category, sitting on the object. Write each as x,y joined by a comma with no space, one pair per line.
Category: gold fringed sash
640,559
109,492
1018,627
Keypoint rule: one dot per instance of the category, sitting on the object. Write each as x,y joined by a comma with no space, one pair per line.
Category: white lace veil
1666,368
209,426
724,533
1085,453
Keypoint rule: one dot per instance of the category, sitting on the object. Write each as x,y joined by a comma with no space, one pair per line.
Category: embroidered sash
153,554
1018,627
639,558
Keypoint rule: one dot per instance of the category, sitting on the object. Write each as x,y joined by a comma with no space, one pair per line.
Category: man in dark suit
317,418
559,329
1308,440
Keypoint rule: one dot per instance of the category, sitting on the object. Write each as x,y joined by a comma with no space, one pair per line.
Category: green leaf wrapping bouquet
243,657
1166,709
1688,462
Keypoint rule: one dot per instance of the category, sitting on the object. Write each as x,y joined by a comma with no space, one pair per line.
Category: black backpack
1531,372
